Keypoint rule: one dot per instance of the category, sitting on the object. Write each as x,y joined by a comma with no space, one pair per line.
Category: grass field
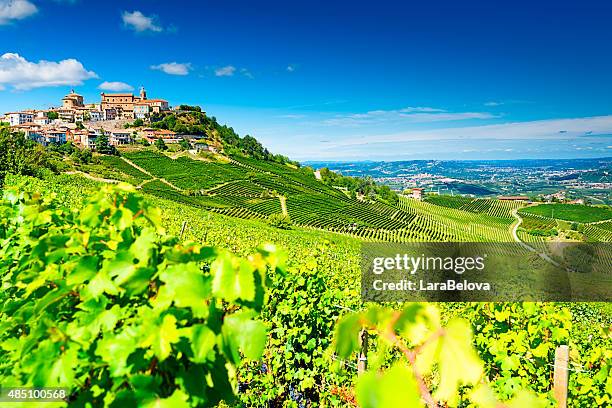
570,212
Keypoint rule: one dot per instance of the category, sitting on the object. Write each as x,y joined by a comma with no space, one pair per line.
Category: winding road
528,247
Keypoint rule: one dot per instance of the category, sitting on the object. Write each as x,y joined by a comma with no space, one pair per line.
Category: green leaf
186,287
231,283
162,339
178,399
240,333
202,343
347,335
458,362
394,388
85,269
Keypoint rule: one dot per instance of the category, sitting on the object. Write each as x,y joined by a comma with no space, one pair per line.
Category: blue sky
336,80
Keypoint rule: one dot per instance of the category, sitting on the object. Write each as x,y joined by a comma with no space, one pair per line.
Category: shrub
282,221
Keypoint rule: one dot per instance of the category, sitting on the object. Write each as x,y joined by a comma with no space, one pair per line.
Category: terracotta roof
119,94
164,132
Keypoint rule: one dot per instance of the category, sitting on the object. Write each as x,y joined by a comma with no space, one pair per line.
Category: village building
129,106
41,121
72,100
19,118
118,137
417,193
96,115
168,136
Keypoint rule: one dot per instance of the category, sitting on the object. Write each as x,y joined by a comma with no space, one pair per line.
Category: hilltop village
121,117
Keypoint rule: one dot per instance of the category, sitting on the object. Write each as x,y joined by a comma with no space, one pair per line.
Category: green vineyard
253,189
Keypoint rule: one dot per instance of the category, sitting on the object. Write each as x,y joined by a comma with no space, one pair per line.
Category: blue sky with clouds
336,79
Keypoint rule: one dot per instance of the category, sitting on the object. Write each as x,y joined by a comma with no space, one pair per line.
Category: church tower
143,93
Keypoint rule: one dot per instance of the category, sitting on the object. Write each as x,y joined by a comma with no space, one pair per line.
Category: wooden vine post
362,359
183,227
561,375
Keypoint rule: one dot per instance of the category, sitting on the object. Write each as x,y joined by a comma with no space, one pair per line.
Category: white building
19,118
117,137
141,110
88,139
41,120
96,115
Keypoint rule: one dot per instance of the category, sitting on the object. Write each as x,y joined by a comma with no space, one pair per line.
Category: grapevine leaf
396,387
458,362
240,333
347,335
178,399
202,342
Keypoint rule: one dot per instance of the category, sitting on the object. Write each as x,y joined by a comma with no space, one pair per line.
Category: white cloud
410,114
493,103
173,68
246,73
139,22
11,10
21,74
228,70
548,129
291,68
411,109
115,86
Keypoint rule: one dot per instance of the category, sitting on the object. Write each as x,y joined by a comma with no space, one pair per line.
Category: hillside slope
251,188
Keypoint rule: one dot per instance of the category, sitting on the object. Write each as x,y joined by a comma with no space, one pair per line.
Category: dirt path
131,163
153,178
515,227
283,203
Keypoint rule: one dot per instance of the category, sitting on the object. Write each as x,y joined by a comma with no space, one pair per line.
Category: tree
159,143
104,147
281,221
184,144
52,115
79,125
83,156
19,155
190,108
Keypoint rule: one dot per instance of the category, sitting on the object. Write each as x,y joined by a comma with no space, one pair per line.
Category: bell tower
143,93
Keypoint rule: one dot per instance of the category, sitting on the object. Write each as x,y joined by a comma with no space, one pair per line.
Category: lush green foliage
192,121
364,186
101,301
279,220
438,364
104,147
19,155
160,144
571,212
322,281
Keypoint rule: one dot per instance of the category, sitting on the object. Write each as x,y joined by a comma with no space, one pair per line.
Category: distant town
83,123
574,181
